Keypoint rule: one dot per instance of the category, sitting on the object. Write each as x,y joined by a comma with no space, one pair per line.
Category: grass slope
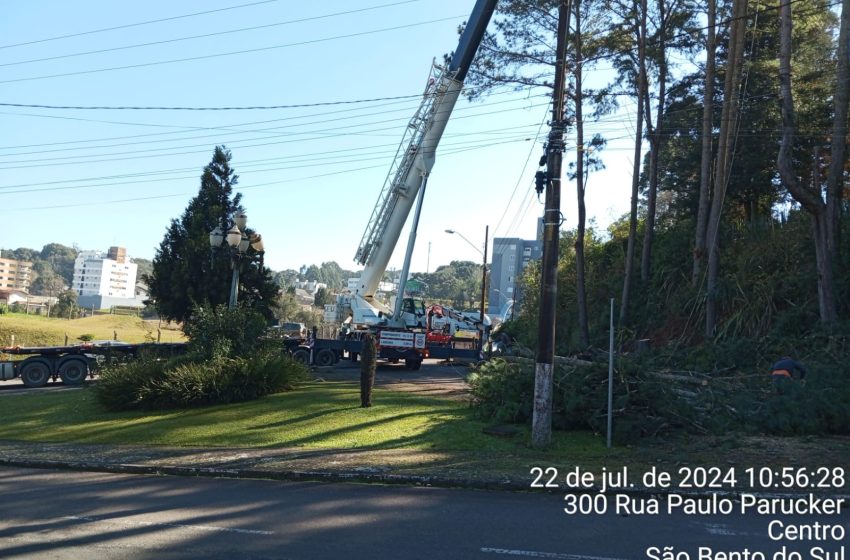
37,330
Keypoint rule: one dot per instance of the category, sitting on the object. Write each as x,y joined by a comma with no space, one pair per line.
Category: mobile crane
405,185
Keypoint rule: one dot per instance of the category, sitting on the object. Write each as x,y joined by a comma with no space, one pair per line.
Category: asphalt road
71,515
441,377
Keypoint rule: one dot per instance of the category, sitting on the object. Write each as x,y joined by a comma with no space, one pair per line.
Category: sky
310,175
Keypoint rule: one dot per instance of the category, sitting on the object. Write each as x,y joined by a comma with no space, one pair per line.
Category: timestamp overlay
709,513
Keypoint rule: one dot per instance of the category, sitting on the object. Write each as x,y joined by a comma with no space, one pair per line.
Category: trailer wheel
412,363
325,357
302,356
73,371
35,372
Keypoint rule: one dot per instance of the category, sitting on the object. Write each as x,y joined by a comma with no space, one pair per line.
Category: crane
405,185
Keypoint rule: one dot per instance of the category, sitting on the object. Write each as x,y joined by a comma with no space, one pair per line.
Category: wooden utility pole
541,430
484,275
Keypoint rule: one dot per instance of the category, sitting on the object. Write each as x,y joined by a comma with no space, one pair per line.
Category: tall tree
728,121
838,151
707,134
808,196
185,272
640,33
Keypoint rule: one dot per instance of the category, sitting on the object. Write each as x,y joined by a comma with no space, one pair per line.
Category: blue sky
309,176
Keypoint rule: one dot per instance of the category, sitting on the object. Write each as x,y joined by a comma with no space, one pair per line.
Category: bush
222,332
185,382
123,386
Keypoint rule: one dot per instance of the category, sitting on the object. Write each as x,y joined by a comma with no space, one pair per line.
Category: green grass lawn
317,415
443,435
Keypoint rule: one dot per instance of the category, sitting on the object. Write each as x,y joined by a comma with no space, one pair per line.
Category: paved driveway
433,378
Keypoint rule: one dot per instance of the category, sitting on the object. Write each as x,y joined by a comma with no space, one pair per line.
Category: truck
401,328
72,363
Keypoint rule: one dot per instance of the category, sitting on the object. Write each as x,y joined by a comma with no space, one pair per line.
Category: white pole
611,374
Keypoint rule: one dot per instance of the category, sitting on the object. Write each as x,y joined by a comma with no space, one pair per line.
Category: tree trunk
581,292
707,132
630,249
655,149
838,151
809,199
729,116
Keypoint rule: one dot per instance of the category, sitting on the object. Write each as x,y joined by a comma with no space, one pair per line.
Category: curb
373,478
248,473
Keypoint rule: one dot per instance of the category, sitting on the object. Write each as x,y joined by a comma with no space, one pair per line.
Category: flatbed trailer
411,349
72,363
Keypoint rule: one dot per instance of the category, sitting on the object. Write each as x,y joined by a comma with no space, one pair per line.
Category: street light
483,266
237,241
509,304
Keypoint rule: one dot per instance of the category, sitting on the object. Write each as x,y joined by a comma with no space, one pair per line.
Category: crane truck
401,330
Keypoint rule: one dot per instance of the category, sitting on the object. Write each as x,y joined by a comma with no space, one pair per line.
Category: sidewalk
396,466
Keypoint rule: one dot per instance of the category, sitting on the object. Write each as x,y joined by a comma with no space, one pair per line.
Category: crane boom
416,154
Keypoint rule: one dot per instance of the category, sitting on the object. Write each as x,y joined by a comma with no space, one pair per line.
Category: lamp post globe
216,238
238,243
234,236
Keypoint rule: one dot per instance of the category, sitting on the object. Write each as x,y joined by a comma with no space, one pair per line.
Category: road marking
158,524
534,554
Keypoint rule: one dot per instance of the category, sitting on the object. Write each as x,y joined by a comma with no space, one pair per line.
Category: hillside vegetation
36,330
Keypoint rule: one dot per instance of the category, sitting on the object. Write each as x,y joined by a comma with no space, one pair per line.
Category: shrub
85,337
222,332
122,386
184,382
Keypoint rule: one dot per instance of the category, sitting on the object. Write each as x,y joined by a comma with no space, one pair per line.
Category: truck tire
412,363
325,357
35,372
302,356
73,371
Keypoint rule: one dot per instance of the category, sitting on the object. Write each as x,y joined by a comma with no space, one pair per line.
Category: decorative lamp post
238,243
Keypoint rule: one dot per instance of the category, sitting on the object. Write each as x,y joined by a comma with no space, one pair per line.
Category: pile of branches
648,401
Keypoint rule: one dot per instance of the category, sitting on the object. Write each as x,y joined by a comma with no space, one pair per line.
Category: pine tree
185,272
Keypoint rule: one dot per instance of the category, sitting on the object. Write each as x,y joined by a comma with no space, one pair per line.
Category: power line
186,129
268,130
206,35
317,161
522,172
231,53
241,188
242,108
324,133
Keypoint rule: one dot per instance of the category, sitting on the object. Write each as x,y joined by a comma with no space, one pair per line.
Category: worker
785,371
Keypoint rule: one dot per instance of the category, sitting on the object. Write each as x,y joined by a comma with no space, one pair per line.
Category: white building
105,278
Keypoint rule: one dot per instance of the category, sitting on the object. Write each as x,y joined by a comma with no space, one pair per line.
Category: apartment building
105,280
15,274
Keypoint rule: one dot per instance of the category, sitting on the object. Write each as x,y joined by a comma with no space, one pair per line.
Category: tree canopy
186,272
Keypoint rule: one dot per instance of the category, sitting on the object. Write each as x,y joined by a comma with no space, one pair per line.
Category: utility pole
484,274
541,430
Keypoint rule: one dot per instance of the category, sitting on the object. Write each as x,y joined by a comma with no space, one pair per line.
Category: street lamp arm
471,244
